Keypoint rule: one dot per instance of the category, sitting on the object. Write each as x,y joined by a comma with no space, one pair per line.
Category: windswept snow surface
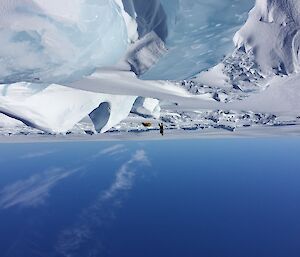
63,71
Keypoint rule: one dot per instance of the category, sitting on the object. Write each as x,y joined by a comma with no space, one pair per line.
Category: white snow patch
147,106
281,98
213,77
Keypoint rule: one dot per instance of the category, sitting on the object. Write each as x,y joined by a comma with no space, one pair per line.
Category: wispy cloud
33,191
140,156
111,151
125,175
37,154
102,211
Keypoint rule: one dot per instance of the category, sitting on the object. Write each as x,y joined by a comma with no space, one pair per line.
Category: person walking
161,128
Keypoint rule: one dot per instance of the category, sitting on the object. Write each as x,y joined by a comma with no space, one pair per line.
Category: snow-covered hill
76,66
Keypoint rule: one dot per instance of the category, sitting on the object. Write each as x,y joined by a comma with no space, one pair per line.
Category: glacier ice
56,109
195,42
200,35
149,16
111,111
144,54
58,41
147,26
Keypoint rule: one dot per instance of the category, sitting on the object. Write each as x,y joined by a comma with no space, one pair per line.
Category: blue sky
220,197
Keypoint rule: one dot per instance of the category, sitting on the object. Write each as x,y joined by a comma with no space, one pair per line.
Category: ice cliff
59,42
